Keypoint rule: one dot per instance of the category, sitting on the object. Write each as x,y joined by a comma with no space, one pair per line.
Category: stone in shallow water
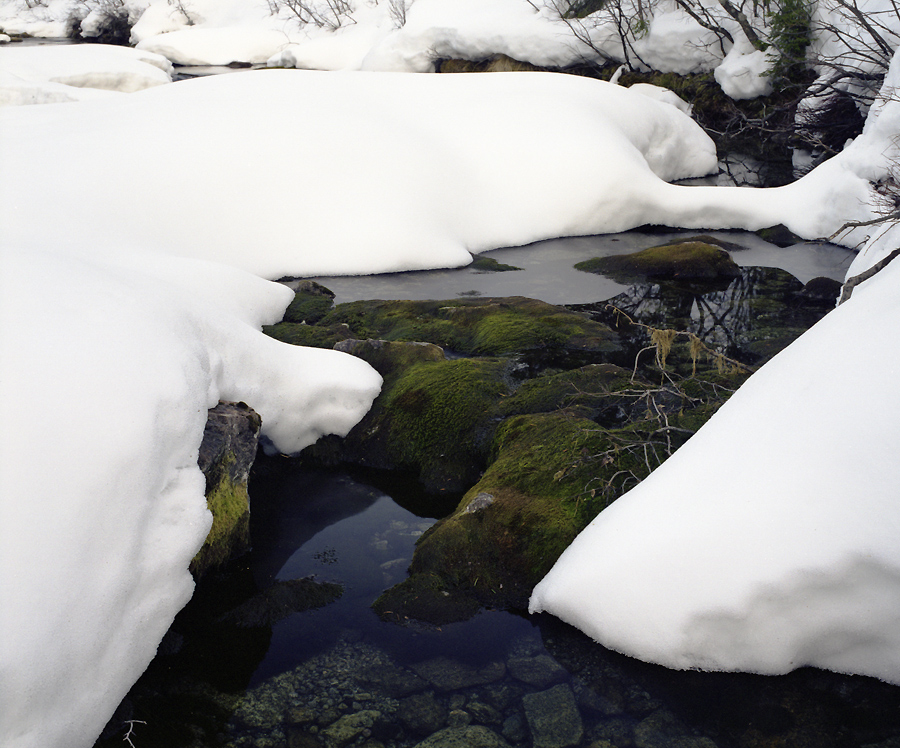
464,737
422,714
540,671
553,717
349,727
449,675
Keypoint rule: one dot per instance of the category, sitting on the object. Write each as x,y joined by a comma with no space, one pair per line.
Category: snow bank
347,173
768,542
51,73
109,367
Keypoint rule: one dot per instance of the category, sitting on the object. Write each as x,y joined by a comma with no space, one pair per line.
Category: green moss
586,389
230,531
476,326
311,302
687,260
440,416
314,336
489,264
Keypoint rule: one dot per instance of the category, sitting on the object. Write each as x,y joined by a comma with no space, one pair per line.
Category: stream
338,675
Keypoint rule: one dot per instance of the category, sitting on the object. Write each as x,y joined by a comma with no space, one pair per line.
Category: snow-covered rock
55,73
96,534
768,541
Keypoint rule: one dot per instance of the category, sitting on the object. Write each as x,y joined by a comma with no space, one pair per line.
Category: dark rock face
226,456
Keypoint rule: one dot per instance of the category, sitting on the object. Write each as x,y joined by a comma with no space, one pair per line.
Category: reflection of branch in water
661,343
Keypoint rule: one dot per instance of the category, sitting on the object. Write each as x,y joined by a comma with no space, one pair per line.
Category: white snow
347,173
54,73
412,35
113,362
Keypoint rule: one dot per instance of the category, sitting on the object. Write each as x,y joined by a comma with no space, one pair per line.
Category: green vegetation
686,260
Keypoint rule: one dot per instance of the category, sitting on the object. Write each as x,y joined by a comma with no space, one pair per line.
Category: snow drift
111,364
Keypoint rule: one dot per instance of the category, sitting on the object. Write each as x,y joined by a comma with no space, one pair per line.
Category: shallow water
547,269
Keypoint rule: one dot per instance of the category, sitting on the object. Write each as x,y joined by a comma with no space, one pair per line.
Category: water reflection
547,269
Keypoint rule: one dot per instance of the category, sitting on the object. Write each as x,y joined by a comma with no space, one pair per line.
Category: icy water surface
547,269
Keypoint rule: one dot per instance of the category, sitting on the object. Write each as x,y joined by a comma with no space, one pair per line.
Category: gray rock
514,729
480,502
662,730
484,713
395,682
540,671
422,714
450,675
474,736
226,455
348,728
553,717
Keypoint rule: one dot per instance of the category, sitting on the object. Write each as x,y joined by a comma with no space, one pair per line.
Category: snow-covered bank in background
348,173
413,35
109,365
345,173
51,74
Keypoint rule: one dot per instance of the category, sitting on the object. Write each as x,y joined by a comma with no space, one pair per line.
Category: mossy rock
549,475
484,326
683,261
585,391
311,302
434,418
497,64
226,455
490,265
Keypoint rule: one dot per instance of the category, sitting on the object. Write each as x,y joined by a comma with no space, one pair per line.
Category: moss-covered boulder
311,302
682,261
472,327
550,473
434,418
226,456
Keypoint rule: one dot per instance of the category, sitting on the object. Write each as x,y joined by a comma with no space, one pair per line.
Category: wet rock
348,728
450,675
311,302
684,261
483,713
459,718
422,714
514,728
280,600
553,718
226,456
473,736
662,730
540,671
479,503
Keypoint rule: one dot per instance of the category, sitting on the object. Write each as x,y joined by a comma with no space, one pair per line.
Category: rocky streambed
382,601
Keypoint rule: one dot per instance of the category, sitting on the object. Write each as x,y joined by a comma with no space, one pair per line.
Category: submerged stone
553,717
446,674
472,736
